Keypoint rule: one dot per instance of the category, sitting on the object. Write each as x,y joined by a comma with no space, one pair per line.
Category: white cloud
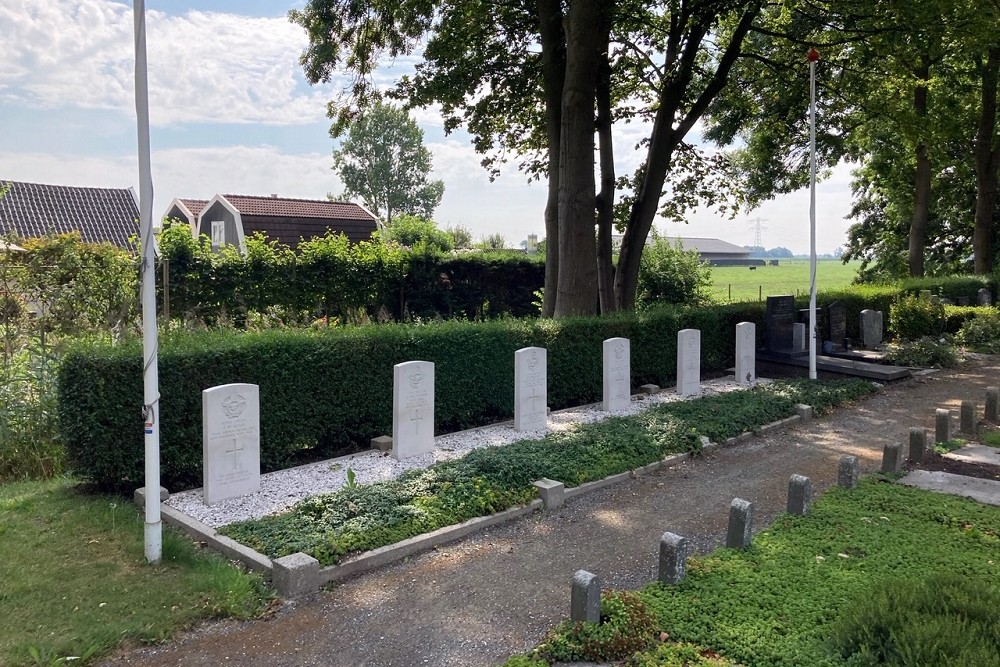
203,66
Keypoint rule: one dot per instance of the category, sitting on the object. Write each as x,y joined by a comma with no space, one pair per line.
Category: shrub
670,274
981,332
626,627
417,232
912,317
945,619
922,353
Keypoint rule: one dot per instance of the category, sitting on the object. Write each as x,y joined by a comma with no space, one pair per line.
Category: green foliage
524,661
493,242
912,317
679,655
626,627
944,619
421,234
384,161
461,237
925,352
359,518
981,333
670,274
30,446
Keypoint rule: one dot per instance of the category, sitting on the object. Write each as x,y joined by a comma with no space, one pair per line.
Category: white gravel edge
281,489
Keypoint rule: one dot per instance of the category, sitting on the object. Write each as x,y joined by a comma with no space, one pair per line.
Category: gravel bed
281,489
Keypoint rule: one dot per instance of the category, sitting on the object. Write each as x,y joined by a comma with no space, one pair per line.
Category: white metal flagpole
150,371
812,56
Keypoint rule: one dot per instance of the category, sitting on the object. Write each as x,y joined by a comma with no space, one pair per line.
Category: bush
945,619
670,274
912,317
982,332
626,627
922,353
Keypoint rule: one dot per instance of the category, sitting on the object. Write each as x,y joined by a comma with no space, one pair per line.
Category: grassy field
791,276
74,582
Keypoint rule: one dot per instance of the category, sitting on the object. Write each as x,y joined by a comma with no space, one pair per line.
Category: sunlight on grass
791,276
74,581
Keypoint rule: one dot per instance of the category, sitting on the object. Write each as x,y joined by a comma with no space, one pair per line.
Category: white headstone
746,353
688,362
230,441
412,409
798,336
530,389
871,328
617,374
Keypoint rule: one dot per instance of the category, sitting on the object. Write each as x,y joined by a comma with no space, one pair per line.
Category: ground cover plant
74,583
358,518
879,575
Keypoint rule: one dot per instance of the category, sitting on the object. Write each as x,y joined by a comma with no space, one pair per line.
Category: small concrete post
849,472
740,524
552,493
673,558
805,412
967,421
585,600
942,425
992,402
799,495
892,458
918,443
295,575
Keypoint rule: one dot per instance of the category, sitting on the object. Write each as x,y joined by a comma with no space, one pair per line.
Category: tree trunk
987,159
680,67
606,197
922,182
553,42
576,291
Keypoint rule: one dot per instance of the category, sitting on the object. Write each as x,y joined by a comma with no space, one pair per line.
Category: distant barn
100,215
714,251
229,219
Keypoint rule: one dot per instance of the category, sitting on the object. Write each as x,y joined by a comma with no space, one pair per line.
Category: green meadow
791,276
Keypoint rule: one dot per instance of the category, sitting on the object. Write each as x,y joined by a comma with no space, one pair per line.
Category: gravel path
496,593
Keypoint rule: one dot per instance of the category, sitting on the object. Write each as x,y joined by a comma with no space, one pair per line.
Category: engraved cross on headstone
234,452
535,396
416,418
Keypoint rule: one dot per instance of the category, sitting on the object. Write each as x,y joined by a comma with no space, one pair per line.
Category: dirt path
480,600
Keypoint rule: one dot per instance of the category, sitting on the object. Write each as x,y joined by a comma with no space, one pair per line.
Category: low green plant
524,661
991,438
680,654
626,627
923,352
949,446
944,619
912,317
981,333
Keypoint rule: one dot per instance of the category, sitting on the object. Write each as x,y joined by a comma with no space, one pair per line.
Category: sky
231,112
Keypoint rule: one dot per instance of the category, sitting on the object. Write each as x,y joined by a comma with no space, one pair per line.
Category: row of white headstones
231,413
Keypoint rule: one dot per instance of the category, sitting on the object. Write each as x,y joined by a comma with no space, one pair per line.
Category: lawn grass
74,582
804,579
791,276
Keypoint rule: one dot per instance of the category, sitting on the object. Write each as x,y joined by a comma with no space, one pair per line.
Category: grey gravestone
779,316
740,524
849,472
984,297
617,374
230,441
412,409
992,404
892,458
871,328
673,558
799,336
961,301
967,417
688,362
926,294
836,324
746,353
918,443
799,494
942,425
585,599
530,389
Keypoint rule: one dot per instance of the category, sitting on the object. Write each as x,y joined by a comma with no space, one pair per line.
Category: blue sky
231,112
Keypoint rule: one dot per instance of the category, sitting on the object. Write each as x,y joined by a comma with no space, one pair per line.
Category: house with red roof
229,219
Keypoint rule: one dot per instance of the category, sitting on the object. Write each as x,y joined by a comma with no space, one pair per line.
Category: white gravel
281,489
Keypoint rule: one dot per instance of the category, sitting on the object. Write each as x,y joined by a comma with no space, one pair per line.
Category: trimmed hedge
329,392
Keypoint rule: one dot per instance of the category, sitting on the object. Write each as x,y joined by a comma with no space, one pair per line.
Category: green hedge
329,392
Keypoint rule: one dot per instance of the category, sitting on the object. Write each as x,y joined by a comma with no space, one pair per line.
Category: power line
758,229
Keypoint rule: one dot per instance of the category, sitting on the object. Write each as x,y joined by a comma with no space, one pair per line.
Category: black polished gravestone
779,316
836,325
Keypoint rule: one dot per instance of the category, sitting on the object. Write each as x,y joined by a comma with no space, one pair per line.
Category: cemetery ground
791,276
496,594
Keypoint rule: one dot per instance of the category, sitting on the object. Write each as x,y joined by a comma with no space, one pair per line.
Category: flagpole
150,371
812,56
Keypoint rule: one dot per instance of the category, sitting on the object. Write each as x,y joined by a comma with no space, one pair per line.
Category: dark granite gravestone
779,316
836,324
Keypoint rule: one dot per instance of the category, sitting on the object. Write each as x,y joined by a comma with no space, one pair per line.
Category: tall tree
384,161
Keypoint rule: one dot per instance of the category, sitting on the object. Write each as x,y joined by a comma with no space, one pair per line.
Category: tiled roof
194,205
99,214
297,208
